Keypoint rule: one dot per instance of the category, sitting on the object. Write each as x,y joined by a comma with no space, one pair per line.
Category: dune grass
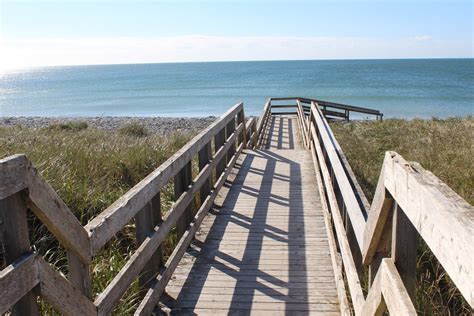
68,126
134,129
445,147
90,169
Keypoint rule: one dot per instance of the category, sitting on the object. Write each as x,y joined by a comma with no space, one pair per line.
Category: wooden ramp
263,249
271,222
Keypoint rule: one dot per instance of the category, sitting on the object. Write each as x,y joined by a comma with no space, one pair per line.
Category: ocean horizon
399,88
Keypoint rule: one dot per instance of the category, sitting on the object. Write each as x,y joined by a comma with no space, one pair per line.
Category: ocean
405,88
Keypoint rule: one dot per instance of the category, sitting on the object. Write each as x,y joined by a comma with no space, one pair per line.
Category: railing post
219,140
385,243
248,135
404,249
145,222
204,157
243,135
181,184
308,127
230,128
14,238
79,274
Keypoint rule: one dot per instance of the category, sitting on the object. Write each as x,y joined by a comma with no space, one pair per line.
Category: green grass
90,169
445,147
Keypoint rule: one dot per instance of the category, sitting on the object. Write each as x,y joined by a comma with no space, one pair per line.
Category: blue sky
104,31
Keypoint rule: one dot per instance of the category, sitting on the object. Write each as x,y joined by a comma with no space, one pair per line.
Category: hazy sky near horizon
39,32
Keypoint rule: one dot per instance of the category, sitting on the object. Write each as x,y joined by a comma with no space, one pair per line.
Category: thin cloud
63,51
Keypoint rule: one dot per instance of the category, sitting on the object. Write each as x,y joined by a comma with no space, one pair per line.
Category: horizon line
230,61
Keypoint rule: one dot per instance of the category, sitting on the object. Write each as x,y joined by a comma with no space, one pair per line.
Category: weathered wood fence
28,275
331,110
409,202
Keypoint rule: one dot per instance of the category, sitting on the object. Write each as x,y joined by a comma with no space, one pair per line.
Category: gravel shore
160,125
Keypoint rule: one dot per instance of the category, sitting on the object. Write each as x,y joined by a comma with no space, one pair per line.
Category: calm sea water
399,88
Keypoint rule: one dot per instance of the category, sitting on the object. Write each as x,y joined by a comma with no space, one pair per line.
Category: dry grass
90,169
446,148
134,129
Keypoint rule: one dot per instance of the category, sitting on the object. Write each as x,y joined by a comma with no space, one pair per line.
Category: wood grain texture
17,280
394,292
347,257
57,217
145,222
335,256
15,242
379,212
442,218
353,208
14,179
250,128
79,274
58,291
262,122
404,250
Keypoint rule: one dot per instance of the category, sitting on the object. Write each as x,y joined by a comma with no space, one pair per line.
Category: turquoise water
398,88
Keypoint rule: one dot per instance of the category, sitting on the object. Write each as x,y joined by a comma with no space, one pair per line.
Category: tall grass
90,169
446,148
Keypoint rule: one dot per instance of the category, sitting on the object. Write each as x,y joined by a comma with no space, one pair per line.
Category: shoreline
156,125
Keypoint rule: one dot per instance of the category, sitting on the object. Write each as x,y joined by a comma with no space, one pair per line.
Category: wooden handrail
109,222
251,130
14,175
21,184
347,257
152,296
18,174
114,291
20,277
262,123
303,124
388,292
443,219
334,105
338,173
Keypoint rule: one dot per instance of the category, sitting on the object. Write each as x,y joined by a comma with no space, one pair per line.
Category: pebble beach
158,125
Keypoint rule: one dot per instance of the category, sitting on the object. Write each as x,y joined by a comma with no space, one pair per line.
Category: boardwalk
273,221
265,249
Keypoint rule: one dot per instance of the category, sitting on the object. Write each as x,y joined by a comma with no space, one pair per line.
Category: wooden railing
27,275
381,238
409,202
331,110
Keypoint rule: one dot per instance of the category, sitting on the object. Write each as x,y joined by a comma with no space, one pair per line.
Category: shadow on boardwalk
254,253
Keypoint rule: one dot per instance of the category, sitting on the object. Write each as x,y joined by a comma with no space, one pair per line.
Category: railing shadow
254,276
280,134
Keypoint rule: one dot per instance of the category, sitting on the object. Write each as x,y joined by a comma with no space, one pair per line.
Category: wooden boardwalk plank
263,248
